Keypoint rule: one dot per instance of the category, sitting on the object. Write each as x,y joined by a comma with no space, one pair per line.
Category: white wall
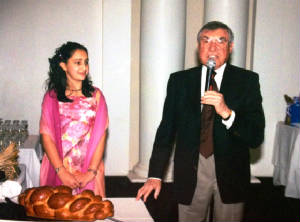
116,82
30,32
276,59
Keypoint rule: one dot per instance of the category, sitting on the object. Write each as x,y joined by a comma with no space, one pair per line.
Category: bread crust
58,203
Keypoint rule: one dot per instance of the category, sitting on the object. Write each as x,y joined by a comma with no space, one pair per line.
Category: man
201,174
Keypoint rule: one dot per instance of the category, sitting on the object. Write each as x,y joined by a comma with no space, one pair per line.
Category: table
130,210
30,155
126,210
286,159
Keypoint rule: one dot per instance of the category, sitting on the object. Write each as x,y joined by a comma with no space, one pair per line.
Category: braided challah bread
59,203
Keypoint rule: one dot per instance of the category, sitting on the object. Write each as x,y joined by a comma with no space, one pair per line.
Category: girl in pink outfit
73,124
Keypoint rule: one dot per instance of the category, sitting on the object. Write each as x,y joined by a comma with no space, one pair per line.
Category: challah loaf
59,203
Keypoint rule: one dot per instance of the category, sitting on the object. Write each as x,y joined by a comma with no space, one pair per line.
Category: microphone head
211,63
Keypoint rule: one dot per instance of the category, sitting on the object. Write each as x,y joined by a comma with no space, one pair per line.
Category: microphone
211,63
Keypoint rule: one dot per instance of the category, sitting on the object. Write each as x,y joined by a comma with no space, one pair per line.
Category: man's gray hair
213,25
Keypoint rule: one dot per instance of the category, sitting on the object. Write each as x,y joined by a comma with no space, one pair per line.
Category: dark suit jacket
180,127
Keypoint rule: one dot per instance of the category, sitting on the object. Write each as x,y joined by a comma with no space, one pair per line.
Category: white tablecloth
130,210
127,210
28,156
286,159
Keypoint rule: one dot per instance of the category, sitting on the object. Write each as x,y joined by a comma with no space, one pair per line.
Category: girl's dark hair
57,77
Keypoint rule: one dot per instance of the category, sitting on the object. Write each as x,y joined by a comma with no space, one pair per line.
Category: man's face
214,43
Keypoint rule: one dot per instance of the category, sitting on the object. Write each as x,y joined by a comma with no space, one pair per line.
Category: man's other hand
150,185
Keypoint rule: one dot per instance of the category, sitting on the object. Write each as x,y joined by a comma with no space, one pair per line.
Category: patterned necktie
207,122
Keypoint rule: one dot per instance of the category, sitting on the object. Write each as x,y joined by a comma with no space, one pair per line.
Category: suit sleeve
249,122
165,133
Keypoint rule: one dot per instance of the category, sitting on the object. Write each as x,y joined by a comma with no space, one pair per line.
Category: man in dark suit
209,162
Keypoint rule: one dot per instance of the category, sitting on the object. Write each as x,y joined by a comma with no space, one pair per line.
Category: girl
73,124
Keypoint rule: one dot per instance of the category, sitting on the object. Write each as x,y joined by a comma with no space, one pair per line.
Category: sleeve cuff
155,178
228,123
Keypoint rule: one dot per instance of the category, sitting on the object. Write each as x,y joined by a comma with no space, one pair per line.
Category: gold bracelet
93,171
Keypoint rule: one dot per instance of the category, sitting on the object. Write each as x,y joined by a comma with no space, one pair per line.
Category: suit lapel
193,88
229,85
226,82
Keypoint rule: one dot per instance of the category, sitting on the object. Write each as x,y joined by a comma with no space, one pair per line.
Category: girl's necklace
71,91
74,90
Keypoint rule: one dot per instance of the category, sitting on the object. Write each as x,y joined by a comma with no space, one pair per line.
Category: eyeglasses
219,41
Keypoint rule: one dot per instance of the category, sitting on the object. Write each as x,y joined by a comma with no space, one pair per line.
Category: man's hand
217,100
148,187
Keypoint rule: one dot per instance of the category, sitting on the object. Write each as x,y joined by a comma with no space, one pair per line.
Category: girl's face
77,66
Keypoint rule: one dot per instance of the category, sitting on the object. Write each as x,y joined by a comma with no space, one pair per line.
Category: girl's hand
84,178
68,178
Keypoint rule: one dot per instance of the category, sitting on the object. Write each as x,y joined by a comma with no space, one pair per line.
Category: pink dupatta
50,124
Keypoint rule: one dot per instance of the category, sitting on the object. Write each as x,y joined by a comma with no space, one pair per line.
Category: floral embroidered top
77,119
76,129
